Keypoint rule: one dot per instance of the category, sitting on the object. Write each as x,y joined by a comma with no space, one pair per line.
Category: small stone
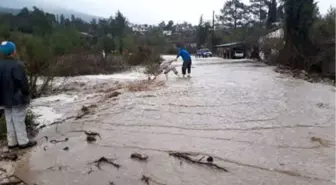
210,159
66,148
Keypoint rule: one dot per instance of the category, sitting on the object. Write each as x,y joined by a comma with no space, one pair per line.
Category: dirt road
264,128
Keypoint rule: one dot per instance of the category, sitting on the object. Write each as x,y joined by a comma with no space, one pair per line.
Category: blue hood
7,48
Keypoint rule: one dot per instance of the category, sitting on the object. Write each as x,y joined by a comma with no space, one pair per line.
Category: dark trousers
186,66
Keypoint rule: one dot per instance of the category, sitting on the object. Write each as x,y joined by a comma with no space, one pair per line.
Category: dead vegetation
91,136
138,156
11,156
144,85
146,179
301,74
113,94
102,160
85,110
323,105
191,158
319,140
54,141
111,89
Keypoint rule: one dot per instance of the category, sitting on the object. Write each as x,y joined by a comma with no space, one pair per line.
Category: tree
170,25
120,27
203,31
162,25
259,9
299,18
233,14
272,13
281,10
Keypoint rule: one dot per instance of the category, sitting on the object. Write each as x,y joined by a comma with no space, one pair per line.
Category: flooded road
265,128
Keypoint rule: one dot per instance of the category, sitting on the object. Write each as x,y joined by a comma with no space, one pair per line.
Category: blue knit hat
7,48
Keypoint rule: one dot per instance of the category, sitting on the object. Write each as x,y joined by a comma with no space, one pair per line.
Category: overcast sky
154,11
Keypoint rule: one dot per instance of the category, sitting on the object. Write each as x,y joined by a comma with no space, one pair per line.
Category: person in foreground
186,60
14,96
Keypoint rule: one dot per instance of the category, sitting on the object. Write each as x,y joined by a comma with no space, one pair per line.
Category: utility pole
213,32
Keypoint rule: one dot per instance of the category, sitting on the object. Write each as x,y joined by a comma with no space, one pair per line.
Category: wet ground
263,127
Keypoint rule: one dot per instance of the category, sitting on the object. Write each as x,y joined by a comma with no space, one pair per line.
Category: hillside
9,10
14,6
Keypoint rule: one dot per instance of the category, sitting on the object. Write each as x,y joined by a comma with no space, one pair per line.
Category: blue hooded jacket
184,54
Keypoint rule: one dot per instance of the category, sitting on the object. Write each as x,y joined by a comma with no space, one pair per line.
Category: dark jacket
14,88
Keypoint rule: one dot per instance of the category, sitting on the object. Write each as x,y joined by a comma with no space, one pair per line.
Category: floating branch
186,157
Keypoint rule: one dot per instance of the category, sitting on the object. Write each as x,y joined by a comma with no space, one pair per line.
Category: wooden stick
187,158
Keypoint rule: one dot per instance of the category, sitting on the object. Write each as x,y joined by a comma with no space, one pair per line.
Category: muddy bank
77,98
310,77
234,121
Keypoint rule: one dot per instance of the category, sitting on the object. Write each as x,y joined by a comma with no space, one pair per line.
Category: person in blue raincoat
186,65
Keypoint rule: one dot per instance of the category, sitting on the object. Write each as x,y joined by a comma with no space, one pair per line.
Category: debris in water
111,183
91,136
319,140
113,94
84,111
90,139
59,141
91,133
110,89
141,157
57,167
144,85
146,179
186,157
66,148
3,170
210,159
90,170
46,138
45,148
98,162
322,105
148,96
42,126
9,156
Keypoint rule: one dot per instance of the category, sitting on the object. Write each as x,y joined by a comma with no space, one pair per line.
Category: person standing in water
186,65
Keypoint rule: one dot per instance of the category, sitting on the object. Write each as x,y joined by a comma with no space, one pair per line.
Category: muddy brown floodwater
263,127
